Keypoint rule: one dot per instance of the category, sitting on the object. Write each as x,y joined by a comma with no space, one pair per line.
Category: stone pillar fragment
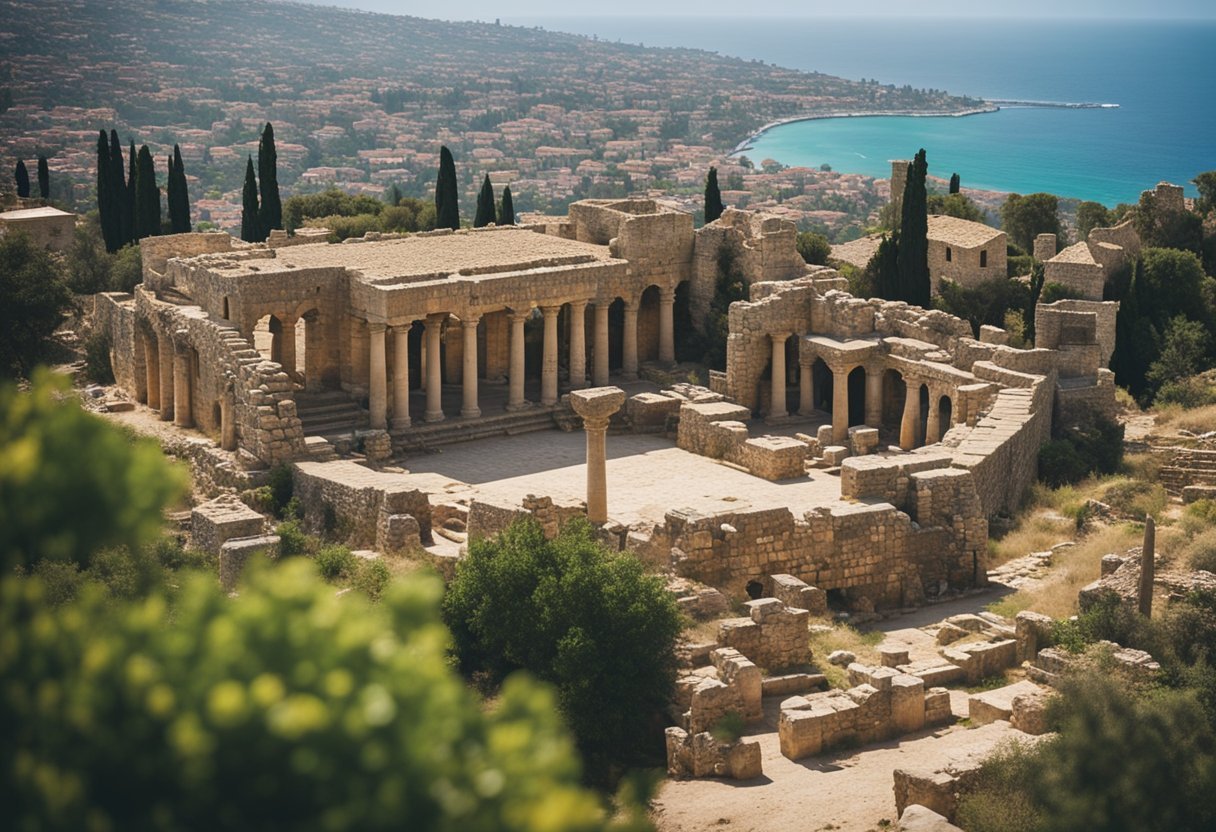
287,346
840,404
806,390
434,374
910,422
578,344
667,344
152,371
183,412
515,373
777,392
469,408
1148,567
629,347
874,397
164,352
548,370
401,377
377,383
228,417
596,406
599,373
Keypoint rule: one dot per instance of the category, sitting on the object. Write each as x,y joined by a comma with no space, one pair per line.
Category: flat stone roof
437,256
33,214
961,233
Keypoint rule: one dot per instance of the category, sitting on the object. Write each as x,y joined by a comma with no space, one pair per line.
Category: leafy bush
371,577
126,269
1019,264
284,708
292,539
282,487
1188,392
814,248
1136,499
729,728
1200,553
36,301
999,799
334,562
590,621
1081,450
97,367
1060,463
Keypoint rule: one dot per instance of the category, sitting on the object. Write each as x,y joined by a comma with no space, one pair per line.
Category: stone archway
857,396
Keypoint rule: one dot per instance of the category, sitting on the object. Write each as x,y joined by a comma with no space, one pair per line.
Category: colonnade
431,370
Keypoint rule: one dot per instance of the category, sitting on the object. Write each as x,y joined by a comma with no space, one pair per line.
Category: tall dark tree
147,196
251,230
506,212
913,255
713,197
178,197
270,214
23,179
955,182
109,213
128,222
44,178
121,186
485,205
883,268
447,205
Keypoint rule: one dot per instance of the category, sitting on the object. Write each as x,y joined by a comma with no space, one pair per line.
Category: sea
1161,74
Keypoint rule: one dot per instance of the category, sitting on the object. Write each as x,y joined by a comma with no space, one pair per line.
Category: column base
470,414
514,408
434,417
782,418
402,424
629,376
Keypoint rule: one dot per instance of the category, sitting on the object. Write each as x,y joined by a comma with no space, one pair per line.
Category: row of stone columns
910,424
168,371
431,371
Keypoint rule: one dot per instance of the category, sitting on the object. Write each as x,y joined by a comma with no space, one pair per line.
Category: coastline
746,144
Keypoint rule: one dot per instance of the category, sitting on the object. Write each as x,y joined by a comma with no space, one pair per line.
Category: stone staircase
1187,466
422,436
329,413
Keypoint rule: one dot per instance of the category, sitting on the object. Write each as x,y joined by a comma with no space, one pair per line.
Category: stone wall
717,430
362,506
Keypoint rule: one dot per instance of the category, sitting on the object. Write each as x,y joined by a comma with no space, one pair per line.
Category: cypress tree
23,179
447,206
913,259
250,228
147,196
713,197
506,213
107,210
885,268
271,212
178,198
44,178
954,183
485,205
128,206
120,185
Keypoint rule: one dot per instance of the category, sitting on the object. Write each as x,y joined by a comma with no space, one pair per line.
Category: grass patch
1173,418
1036,532
844,637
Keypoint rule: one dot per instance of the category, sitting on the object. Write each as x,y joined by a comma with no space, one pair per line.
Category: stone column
840,404
599,375
933,427
228,416
422,362
275,326
377,383
401,376
515,373
874,396
667,344
469,408
152,371
910,422
183,415
596,406
164,354
434,375
777,392
548,365
287,346
578,344
806,390
629,347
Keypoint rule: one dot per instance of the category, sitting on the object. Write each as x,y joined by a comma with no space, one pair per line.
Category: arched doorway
894,392
946,411
857,396
648,325
821,385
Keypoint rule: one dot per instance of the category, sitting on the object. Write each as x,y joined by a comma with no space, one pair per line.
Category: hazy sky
490,9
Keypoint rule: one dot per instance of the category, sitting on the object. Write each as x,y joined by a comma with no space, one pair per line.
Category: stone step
424,436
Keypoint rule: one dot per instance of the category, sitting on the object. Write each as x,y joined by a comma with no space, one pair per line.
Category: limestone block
863,440
937,706
648,412
1031,629
991,705
741,633
743,761
1110,564
949,633
793,592
679,752
892,656
764,608
917,818
841,658
981,659
711,700
397,532
907,704
774,457
1030,712
597,403
877,677
217,521
824,435
934,790
835,454
738,672
793,683
235,553
800,733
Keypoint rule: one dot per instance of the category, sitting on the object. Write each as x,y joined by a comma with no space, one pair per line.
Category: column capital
401,327
376,327
550,311
580,303
471,320
779,336
667,294
514,314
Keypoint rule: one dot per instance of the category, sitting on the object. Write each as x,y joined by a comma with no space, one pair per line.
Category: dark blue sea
1161,74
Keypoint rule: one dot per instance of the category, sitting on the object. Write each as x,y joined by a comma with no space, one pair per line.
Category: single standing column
548,366
806,393
152,371
377,383
401,377
840,404
599,375
287,346
874,397
933,427
776,408
629,350
1148,568
578,344
515,375
907,427
434,375
182,412
164,352
596,406
667,344
469,408
228,416
422,362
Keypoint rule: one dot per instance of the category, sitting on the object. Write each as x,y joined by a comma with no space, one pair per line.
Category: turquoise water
1161,74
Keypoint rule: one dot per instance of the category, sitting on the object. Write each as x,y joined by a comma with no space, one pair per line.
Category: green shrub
126,269
371,577
570,612
1200,553
729,728
334,562
61,580
1188,392
284,708
1136,499
1000,799
292,539
1060,464
97,366
1078,451
282,487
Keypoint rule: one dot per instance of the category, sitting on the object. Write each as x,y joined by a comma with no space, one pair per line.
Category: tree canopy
485,205
1025,217
270,210
22,178
447,201
251,224
506,212
147,196
912,256
713,197
35,302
